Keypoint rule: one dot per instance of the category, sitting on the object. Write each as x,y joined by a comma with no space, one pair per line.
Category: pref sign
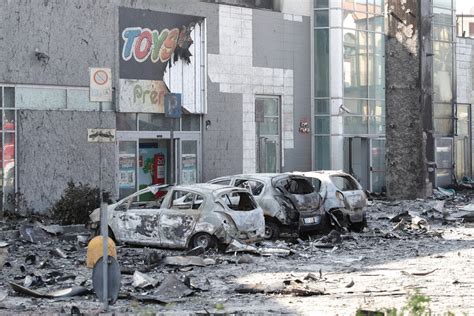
100,87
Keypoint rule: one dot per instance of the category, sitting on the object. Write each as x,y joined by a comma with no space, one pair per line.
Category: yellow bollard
95,250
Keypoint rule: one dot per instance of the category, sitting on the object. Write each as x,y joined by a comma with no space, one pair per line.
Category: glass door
189,161
377,165
356,160
154,164
147,158
268,128
127,168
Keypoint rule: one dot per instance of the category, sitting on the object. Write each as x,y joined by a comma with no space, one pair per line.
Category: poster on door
126,171
152,164
189,164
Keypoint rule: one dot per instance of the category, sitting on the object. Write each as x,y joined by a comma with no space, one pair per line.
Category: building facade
239,69
349,89
353,78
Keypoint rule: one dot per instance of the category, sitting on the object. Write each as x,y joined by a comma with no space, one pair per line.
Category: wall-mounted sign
149,43
142,96
304,126
101,135
100,86
149,40
173,105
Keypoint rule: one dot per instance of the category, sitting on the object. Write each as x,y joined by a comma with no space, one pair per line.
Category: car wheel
272,230
204,240
359,227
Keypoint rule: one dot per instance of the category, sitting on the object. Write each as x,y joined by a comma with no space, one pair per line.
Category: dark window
186,200
471,28
298,186
239,201
344,183
256,187
316,184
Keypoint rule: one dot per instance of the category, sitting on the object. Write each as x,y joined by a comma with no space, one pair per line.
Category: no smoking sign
100,85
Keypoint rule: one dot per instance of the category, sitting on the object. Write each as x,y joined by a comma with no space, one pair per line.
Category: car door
137,222
243,210
178,219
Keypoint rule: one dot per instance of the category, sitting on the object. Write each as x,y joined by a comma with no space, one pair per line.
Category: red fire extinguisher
159,172
159,169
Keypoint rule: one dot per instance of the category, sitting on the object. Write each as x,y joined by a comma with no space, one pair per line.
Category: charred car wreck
186,216
344,198
289,202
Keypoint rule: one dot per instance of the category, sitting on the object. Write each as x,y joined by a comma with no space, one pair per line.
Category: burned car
186,216
289,202
344,198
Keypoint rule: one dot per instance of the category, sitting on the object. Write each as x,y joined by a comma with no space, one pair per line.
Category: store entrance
364,158
154,163
144,159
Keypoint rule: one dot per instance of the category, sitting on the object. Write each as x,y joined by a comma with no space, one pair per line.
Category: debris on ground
69,292
143,281
46,266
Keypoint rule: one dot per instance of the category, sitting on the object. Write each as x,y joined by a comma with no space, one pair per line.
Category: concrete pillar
406,148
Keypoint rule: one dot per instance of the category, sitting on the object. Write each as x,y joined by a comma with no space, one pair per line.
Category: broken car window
186,200
256,187
239,201
316,184
344,183
298,186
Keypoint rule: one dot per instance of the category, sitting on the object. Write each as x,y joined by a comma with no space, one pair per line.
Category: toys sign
100,87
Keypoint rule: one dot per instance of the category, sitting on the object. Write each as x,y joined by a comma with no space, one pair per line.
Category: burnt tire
272,229
203,239
358,227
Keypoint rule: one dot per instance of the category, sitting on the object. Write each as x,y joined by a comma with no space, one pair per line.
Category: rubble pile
44,266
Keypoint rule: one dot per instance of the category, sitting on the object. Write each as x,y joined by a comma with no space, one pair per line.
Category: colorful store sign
149,43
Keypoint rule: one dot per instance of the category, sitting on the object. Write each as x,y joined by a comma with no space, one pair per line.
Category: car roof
322,172
261,176
208,188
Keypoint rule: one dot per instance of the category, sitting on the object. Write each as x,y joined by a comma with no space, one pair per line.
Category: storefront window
191,123
126,121
322,153
7,146
321,65
157,122
321,3
321,18
355,125
321,106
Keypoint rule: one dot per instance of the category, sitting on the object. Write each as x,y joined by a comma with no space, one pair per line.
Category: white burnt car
290,203
344,198
187,216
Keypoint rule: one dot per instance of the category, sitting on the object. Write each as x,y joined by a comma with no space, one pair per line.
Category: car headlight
339,196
